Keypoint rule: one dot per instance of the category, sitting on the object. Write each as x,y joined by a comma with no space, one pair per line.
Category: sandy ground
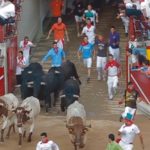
96,136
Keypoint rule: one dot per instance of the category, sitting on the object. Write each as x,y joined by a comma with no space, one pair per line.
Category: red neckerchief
89,26
20,59
56,50
112,63
25,43
84,43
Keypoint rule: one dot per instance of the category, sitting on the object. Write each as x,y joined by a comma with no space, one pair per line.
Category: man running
113,69
89,31
57,56
114,39
101,57
25,46
92,14
86,49
78,12
128,132
60,30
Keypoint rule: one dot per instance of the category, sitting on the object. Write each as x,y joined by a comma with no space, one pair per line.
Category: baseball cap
129,116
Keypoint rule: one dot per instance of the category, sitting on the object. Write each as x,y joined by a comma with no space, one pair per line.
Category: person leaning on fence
46,144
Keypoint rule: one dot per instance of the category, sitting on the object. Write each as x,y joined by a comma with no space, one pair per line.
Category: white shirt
27,46
50,145
90,33
7,10
18,68
128,133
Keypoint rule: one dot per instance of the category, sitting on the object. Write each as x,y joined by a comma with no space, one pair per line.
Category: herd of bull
38,85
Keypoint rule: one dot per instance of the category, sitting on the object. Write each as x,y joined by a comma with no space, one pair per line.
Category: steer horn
76,96
29,72
1,104
62,96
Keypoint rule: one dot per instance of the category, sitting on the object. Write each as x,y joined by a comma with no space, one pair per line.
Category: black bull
71,92
33,76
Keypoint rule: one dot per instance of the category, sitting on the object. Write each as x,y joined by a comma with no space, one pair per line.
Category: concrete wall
32,15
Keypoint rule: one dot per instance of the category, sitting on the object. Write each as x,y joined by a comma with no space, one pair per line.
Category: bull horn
29,72
76,96
43,83
31,82
1,104
62,96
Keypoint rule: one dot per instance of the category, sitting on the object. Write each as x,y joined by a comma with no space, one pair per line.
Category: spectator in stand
78,12
131,96
46,144
128,132
21,64
125,20
57,56
145,65
132,60
60,30
132,42
89,31
101,60
25,46
92,14
114,39
7,12
86,49
112,69
112,145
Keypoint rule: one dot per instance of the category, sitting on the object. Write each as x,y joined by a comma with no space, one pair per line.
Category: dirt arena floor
96,137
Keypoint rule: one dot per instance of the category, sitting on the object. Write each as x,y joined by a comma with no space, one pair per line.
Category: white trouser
125,23
100,65
60,44
112,83
26,54
128,110
115,52
125,146
87,62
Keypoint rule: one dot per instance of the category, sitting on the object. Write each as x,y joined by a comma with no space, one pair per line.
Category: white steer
26,114
8,103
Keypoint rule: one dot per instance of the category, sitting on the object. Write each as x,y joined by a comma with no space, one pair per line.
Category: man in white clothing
25,45
46,144
113,69
128,132
89,31
7,12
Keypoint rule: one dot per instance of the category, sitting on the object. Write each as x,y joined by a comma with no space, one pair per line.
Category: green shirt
113,146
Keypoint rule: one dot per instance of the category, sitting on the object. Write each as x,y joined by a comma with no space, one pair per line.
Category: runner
60,30
113,69
25,46
89,31
92,14
78,12
86,49
101,57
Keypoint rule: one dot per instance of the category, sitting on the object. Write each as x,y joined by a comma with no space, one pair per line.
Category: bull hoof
29,140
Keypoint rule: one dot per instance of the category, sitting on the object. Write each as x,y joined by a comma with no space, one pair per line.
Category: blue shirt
86,50
55,57
114,39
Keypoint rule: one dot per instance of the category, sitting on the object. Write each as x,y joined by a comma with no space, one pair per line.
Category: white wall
32,15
